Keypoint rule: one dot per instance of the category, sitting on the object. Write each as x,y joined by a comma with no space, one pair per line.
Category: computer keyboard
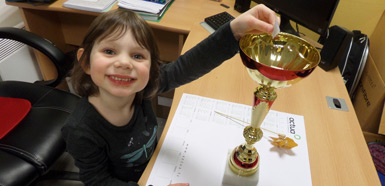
217,20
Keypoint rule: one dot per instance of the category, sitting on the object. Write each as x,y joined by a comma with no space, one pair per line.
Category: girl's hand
258,19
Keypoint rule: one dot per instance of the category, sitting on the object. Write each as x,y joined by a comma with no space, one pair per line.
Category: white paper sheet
196,146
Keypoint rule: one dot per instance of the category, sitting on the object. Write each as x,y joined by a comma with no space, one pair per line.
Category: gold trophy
273,63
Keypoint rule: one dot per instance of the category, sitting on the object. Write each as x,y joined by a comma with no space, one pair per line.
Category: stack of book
151,10
90,5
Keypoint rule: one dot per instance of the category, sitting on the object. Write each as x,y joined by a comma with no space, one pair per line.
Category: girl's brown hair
116,23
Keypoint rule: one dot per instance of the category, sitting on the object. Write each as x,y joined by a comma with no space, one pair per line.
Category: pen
225,5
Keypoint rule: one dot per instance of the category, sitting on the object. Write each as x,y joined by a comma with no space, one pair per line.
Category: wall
9,15
353,15
358,15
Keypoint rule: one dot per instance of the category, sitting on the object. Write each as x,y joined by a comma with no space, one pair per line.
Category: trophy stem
244,160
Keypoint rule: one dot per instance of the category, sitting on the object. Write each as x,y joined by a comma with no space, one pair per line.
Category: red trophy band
245,165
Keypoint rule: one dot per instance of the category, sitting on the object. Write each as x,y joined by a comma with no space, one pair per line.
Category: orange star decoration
283,142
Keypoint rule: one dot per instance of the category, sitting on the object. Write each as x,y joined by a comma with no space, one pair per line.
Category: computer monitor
315,15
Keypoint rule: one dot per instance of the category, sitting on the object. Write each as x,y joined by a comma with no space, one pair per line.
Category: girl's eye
109,52
138,56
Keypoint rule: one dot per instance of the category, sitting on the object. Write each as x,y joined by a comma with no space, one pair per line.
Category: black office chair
28,151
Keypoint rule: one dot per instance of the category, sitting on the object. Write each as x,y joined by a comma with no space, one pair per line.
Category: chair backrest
58,58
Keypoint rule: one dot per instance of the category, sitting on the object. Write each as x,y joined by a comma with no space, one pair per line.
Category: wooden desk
338,153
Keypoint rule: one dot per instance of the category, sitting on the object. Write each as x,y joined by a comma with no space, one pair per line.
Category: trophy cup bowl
273,63
278,62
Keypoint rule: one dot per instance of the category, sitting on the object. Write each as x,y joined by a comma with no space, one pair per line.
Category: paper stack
149,10
90,5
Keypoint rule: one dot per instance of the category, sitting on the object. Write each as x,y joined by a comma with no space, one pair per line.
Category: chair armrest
43,45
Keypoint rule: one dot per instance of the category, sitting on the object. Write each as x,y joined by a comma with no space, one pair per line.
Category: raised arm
215,49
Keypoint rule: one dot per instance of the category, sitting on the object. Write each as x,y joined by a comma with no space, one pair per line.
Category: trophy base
230,178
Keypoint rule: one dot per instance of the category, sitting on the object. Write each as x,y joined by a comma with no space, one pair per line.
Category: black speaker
242,5
335,49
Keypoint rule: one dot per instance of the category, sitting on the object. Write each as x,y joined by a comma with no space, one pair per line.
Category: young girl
111,134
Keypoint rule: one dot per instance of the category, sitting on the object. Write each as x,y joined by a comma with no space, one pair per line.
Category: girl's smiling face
119,66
